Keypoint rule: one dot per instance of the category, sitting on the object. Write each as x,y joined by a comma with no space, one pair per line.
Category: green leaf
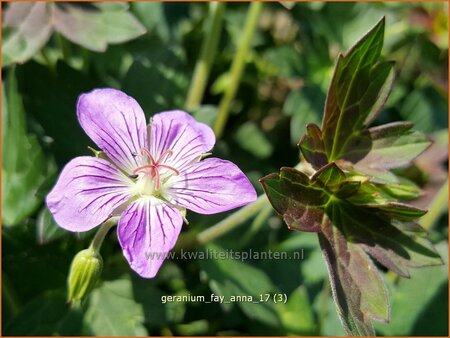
252,139
153,17
26,29
228,277
329,176
426,108
372,196
54,106
23,164
296,199
93,26
312,147
359,88
296,315
426,314
205,114
47,315
112,311
300,200
164,65
404,190
149,296
384,241
358,289
393,145
304,105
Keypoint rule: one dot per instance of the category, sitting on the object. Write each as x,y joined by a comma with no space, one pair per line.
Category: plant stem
436,207
47,60
257,223
101,233
231,221
64,47
237,67
86,55
213,27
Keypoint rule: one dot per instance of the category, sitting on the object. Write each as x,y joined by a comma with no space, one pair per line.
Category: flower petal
211,186
147,231
178,131
88,190
116,123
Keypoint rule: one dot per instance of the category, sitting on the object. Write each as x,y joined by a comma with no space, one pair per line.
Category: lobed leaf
330,176
298,200
353,200
358,289
372,196
27,28
312,147
393,145
94,27
359,88
376,235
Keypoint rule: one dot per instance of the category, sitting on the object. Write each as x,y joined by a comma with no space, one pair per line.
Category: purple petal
181,133
211,186
116,123
88,190
147,231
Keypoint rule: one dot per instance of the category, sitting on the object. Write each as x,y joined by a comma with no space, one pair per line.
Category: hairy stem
237,67
436,208
231,221
213,27
101,233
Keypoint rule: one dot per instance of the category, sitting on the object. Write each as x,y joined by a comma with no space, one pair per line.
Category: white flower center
150,177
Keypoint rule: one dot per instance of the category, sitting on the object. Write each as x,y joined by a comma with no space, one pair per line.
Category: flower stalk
101,233
213,27
237,67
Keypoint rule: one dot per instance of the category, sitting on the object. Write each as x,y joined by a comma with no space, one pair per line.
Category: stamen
152,169
170,168
145,151
142,168
166,154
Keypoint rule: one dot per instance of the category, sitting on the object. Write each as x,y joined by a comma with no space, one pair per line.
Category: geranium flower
150,175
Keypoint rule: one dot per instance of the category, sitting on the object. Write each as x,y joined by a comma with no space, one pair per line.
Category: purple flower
151,175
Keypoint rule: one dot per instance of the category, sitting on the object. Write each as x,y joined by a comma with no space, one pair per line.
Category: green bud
84,272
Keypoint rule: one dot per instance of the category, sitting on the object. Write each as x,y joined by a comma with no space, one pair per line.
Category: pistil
152,169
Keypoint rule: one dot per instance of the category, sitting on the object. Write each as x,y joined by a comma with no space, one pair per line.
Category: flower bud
84,272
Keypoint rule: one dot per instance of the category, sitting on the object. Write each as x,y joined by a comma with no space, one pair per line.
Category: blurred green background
53,53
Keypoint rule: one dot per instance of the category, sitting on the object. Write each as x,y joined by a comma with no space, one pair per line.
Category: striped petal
211,186
87,192
147,231
116,123
182,134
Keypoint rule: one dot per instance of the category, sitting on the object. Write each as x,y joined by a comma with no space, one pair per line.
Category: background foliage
151,54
